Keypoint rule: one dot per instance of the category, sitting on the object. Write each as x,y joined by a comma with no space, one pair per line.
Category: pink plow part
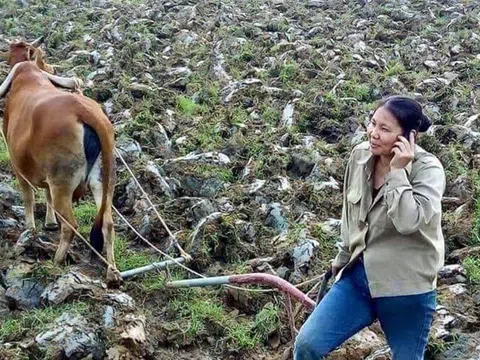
276,282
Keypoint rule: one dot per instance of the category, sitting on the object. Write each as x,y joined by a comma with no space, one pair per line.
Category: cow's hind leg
29,199
62,201
51,223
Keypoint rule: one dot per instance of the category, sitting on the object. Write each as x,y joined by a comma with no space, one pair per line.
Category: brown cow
59,141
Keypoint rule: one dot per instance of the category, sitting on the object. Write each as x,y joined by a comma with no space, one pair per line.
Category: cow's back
44,132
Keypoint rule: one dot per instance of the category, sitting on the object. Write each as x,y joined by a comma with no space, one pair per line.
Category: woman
392,241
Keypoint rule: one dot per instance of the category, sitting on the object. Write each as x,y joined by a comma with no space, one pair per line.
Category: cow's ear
36,43
30,52
3,55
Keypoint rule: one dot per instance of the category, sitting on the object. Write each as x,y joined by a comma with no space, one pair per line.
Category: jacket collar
368,158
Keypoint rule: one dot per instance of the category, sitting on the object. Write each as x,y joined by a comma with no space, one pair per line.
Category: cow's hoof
51,227
114,279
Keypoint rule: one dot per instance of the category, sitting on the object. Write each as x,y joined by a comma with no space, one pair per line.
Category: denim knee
307,348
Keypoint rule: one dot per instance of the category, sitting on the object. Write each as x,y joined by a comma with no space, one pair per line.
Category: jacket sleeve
344,254
414,203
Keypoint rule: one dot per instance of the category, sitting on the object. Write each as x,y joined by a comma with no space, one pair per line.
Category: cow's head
19,51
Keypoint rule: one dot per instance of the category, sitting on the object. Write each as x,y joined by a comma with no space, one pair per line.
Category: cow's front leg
29,199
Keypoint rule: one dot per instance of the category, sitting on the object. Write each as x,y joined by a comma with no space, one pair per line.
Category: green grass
288,72
212,171
472,267
203,310
34,321
85,213
127,258
189,107
475,238
4,156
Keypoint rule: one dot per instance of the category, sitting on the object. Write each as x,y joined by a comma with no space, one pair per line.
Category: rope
183,253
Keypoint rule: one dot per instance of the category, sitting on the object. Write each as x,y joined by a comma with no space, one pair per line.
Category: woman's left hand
404,152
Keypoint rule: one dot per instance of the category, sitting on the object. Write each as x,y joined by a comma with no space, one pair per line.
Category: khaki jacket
399,232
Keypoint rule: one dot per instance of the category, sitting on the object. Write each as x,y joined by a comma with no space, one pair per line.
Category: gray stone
121,299
8,195
303,253
108,317
8,223
301,165
129,149
73,284
275,218
24,294
4,309
202,209
283,272
73,337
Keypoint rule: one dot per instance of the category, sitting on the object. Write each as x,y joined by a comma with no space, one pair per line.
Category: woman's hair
407,111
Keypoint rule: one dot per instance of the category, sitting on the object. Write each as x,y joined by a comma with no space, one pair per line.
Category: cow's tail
103,225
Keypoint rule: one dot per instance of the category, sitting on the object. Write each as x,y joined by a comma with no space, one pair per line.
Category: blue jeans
348,307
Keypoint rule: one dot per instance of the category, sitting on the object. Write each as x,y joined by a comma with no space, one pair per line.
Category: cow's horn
37,42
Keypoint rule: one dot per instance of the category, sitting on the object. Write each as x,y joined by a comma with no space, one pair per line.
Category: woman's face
383,131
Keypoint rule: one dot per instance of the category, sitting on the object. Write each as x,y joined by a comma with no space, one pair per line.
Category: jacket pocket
353,200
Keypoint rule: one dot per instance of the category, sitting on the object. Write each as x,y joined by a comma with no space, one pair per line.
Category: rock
140,90
458,289
72,337
195,238
24,294
209,157
287,116
202,209
129,149
461,188
431,64
161,141
283,272
476,298
234,87
254,187
332,184
361,345
134,333
449,274
317,3
8,195
158,181
465,347
460,254
120,299
302,254
246,231
331,226
301,165
8,223
275,219
182,71
4,309
34,244
73,284
442,323
207,188
108,317
95,57
455,50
